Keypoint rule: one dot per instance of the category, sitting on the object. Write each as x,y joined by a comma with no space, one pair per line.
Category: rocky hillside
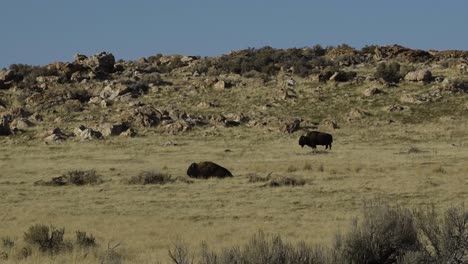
272,89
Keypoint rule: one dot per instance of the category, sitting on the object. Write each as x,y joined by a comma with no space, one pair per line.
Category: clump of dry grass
150,177
291,168
75,177
307,167
440,170
413,149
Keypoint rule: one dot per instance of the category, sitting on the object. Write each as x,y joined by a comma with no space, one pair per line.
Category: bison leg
329,146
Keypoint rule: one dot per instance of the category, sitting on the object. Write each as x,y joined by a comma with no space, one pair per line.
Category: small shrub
286,181
383,235
79,177
85,241
180,254
48,240
388,72
414,150
111,256
439,170
75,177
8,242
151,177
443,240
262,249
25,252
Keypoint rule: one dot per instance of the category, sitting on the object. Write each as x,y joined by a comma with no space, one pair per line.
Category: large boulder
111,92
113,129
419,76
142,116
100,63
55,135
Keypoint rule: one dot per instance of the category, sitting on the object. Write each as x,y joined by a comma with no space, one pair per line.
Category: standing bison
314,138
207,169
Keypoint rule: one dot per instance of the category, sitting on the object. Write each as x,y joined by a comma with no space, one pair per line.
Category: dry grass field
410,165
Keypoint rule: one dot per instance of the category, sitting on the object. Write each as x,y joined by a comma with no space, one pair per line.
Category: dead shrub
150,177
253,178
85,241
383,235
414,150
75,177
111,256
47,239
443,239
286,181
180,253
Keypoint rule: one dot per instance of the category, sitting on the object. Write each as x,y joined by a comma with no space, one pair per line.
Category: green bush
388,72
29,73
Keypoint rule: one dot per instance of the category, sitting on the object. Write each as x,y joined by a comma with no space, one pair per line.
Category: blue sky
40,32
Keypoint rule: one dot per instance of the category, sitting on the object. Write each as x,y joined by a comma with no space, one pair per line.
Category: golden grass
365,164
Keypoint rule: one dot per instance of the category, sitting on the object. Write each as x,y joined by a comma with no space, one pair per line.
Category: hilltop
281,90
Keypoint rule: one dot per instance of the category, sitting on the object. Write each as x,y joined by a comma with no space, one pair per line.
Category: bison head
302,141
193,170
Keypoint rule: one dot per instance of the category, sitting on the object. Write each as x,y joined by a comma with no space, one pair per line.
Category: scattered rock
395,108
291,127
419,76
356,114
111,92
114,129
329,124
221,85
101,63
372,91
177,127
21,123
85,133
128,133
206,105
409,99
55,136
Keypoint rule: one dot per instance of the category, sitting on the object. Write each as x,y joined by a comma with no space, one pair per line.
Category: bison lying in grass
207,169
314,138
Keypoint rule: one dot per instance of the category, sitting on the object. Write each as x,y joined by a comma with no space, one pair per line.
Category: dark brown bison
207,169
314,138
